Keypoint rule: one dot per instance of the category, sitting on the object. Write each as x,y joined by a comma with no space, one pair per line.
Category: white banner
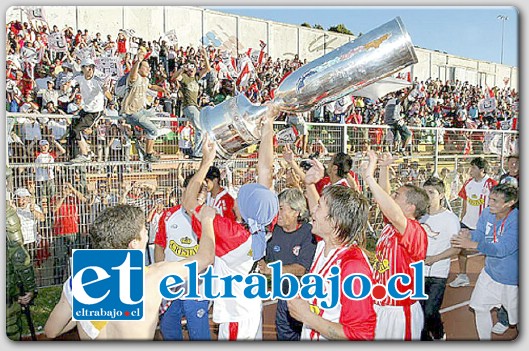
57,42
110,66
86,52
128,32
487,105
171,37
35,13
286,136
29,55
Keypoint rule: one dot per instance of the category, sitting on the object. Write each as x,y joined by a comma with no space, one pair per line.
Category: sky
472,31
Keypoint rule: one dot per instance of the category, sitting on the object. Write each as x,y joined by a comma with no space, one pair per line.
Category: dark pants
503,317
62,251
402,130
196,313
287,327
433,326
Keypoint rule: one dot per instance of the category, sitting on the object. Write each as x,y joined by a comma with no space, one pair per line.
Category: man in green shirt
188,77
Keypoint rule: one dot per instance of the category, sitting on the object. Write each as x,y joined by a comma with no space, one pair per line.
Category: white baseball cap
22,192
88,62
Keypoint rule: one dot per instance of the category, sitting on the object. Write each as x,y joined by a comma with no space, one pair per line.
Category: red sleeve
229,234
491,183
355,177
463,192
357,317
229,203
321,184
161,235
414,240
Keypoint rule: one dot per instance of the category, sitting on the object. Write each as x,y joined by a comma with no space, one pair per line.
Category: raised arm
387,204
265,161
133,76
288,156
314,174
190,201
207,67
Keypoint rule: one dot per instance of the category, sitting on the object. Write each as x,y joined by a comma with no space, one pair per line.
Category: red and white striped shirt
476,195
393,255
223,203
357,317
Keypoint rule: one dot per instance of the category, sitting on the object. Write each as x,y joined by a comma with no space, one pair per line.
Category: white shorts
391,322
248,329
488,294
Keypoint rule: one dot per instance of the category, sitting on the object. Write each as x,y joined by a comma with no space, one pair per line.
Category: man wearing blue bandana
239,245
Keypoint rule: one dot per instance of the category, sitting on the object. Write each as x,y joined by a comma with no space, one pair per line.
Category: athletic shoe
499,328
80,159
461,280
151,158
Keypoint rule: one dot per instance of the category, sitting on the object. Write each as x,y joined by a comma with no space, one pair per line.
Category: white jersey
175,234
92,92
233,256
28,223
476,194
43,173
440,228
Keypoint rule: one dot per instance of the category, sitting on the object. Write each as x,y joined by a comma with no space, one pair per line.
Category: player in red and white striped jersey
402,242
339,217
219,197
475,194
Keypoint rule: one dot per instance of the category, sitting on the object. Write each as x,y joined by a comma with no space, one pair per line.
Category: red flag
468,148
244,73
489,91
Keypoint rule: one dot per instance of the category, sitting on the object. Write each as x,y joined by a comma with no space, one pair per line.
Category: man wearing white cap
45,175
29,213
93,92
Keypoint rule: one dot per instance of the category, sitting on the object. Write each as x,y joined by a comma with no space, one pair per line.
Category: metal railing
89,188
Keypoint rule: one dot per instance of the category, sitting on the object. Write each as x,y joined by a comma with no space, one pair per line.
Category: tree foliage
305,24
340,28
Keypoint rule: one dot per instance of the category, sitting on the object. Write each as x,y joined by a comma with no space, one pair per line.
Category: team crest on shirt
475,201
315,309
277,248
295,250
182,251
185,240
380,265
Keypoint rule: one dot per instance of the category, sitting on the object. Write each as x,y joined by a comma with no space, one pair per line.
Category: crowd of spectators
40,80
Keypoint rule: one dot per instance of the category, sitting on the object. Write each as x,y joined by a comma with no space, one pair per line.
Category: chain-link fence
58,201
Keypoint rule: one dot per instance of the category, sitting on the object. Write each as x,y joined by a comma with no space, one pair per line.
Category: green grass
46,300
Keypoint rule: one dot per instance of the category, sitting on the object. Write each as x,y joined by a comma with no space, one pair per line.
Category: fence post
344,138
436,153
502,154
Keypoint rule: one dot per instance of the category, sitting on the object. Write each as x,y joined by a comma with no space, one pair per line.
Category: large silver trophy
233,124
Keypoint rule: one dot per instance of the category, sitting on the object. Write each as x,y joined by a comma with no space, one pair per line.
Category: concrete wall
238,33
